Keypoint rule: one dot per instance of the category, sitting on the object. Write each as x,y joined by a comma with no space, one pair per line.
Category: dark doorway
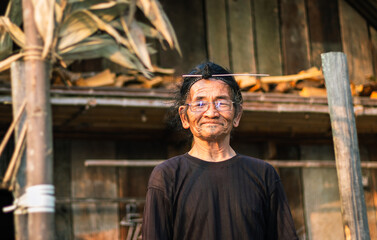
6,219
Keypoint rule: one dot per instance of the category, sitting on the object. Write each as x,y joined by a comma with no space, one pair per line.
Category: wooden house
278,37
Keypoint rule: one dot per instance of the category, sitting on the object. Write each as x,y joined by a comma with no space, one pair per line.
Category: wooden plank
356,45
292,182
295,39
324,28
355,221
241,36
321,195
187,20
94,220
133,182
267,29
373,39
62,180
217,32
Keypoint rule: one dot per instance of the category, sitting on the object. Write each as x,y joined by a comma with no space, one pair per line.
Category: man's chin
212,136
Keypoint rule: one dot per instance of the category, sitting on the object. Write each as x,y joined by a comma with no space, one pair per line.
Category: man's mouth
211,123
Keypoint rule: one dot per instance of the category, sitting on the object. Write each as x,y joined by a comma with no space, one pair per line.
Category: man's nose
212,110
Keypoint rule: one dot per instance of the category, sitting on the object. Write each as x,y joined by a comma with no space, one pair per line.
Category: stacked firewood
307,83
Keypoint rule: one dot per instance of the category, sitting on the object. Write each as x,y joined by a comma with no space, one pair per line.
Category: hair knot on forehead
207,72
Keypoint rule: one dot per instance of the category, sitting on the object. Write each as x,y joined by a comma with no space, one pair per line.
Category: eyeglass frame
215,103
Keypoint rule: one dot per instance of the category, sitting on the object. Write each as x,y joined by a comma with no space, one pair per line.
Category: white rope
38,198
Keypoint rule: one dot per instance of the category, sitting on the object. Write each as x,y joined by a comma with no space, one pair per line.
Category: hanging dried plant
77,29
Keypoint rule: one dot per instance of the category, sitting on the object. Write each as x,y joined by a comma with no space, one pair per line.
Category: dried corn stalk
77,30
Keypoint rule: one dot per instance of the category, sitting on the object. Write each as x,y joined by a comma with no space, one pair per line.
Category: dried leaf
149,31
75,5
76,28
59,12
104,46
14,31
154,12
137,41
5,64
90,45
45,22
125,58
107,28
14,14
110,10
169,71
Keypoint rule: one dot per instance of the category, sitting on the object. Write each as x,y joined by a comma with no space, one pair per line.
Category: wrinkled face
210,124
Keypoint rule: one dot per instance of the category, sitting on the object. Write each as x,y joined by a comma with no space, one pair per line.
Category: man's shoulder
171,163
169,166
164,173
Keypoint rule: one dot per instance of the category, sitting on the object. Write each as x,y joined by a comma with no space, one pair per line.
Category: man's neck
212,151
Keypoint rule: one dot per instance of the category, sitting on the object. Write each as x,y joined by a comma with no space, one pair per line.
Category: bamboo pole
18,98
39,135
355,221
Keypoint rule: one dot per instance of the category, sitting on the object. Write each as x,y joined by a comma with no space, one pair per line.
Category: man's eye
199,104
222,103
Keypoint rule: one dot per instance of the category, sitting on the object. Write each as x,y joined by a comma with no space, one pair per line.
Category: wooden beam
355,221
275,163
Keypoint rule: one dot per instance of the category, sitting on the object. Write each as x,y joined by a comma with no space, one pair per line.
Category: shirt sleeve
280,222
157,218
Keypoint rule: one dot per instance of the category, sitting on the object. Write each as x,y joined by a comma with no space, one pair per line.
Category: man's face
211,124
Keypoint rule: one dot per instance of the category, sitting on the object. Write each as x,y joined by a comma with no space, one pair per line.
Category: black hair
206,70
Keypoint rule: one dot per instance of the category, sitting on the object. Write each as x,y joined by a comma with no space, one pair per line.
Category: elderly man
212,192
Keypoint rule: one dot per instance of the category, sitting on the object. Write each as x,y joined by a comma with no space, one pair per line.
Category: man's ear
184,118
237,119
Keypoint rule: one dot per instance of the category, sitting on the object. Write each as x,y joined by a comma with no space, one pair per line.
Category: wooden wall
88,205
91,200
275,37
267,36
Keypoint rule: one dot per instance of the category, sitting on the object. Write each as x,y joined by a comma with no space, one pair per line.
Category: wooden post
18,97
347,156
39,133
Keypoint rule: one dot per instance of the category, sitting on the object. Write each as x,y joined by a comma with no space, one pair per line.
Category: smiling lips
211,123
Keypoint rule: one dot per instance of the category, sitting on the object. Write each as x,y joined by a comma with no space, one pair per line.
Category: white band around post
38,198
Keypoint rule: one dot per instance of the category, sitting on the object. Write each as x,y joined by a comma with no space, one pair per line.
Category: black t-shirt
240,198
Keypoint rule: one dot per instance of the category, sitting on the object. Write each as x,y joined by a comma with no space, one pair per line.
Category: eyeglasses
202,106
